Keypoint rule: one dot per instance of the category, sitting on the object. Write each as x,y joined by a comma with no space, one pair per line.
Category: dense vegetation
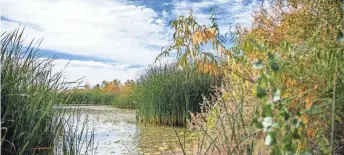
107,93
278,89
166,94
125,99
29,90
283,84
94,97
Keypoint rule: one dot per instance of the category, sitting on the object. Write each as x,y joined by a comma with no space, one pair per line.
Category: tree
129,82
97,86
114,86
104,83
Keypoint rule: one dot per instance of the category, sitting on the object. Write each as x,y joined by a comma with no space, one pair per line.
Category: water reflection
117,132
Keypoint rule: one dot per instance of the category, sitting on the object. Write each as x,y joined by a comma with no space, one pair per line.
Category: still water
117,132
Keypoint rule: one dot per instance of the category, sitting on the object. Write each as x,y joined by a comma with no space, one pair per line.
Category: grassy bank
29,90
166,94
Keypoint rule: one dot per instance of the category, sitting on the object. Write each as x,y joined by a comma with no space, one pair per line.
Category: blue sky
111,39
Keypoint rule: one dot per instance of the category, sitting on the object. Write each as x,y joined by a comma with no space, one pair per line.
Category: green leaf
271,57
257,123
340,37
312,110
287,141
274,66
276,125
261,92
258,64
267,111
276,150
296,123
296,134
284,114
260,48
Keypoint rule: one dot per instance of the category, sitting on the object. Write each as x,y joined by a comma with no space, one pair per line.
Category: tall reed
90,97
165,94
124,101
29,92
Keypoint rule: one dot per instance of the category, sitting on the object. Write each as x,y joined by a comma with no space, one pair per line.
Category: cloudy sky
111,39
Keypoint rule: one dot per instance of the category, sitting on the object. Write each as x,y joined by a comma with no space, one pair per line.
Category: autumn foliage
292,56
108,92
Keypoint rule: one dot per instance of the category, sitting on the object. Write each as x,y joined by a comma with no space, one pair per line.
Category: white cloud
230,13
222,1
184,8
164,13
110,29
95,72
100,28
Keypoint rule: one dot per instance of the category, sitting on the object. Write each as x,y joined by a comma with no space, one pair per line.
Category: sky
111,39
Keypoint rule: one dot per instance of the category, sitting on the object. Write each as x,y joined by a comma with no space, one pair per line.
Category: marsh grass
124,101
165,94
29,91
76,136
94,97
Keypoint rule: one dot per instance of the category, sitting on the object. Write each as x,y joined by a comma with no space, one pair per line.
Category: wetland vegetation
166,95
29,91
274,88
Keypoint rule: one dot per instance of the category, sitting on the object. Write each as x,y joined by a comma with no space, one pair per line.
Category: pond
117,132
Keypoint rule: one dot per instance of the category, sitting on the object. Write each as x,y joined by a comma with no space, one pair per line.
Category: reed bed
165,94
124,101
29,92
90,97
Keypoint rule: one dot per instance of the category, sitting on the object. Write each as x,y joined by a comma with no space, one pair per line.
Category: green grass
165,94
29,92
